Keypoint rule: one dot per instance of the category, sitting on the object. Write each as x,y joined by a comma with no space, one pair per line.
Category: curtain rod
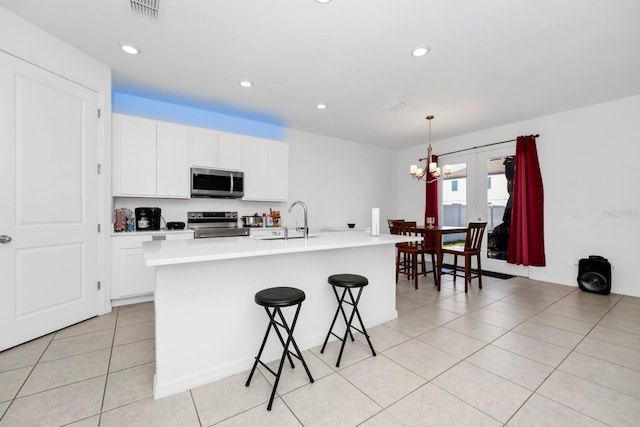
485,145
479,146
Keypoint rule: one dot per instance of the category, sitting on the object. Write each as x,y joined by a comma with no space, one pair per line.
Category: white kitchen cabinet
278,171
211,149
254,166
150,158
172,158
230,151
134,156
130,277
204,147
266,169
153,159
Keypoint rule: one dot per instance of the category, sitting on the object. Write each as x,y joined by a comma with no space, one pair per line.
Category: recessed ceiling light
321,106
246,83
130,49
323,1
420,51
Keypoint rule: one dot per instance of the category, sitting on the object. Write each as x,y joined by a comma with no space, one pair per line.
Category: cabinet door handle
5,239
159,237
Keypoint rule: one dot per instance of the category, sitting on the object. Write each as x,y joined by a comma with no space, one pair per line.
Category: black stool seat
273,299
348,280
281,296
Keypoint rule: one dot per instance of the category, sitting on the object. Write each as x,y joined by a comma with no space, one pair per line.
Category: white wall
588,159
339,180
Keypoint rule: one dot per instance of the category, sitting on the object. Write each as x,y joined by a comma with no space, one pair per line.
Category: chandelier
432,172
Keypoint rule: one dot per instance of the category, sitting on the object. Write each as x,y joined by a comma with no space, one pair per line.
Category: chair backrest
392,227
405,228
475,232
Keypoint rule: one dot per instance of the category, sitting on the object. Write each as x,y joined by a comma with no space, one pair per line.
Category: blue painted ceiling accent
194,113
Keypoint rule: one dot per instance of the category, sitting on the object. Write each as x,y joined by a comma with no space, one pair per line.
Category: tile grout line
28,376
506,379
556,368
106,380
489,343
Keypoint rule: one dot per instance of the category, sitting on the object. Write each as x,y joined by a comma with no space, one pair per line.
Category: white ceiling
491,62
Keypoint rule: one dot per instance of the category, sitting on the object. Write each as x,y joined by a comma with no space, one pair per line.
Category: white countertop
197,250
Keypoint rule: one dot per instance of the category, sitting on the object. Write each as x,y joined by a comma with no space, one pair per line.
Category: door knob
5,239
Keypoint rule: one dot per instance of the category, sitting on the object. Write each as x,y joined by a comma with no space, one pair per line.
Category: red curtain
526,240
431,202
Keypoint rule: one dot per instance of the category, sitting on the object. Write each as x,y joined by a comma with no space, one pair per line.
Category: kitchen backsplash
176,210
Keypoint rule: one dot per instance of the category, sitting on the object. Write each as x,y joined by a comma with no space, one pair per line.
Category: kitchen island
207,324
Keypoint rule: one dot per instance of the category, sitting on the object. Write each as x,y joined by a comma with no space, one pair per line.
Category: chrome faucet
305,229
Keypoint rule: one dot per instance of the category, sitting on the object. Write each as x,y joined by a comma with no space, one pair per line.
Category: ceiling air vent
149,9
394,105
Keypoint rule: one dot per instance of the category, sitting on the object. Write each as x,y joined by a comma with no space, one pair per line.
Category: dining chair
411,255
472,246
392,227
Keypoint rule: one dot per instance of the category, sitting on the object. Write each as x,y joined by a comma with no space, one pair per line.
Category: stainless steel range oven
215,224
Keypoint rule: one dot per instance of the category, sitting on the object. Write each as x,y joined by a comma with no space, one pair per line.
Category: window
488,183
454,185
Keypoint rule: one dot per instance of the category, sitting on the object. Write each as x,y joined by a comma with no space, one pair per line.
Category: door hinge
98,228
99,113
98,285
99,168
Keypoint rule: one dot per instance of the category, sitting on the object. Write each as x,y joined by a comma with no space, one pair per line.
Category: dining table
437,231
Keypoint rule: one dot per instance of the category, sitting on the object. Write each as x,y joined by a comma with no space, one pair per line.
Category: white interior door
48,193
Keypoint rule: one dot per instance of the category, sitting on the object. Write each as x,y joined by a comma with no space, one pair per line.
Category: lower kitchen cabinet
130,277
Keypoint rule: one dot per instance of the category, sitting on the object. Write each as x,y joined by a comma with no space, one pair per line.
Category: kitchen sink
282,238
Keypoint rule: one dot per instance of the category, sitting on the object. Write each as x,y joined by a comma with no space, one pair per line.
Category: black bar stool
277,298
347,282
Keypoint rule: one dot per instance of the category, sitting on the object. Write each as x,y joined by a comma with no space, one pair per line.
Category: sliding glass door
479,189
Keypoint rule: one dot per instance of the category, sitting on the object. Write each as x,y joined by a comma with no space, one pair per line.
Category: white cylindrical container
375,221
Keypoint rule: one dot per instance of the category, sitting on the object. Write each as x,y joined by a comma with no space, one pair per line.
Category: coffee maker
147,219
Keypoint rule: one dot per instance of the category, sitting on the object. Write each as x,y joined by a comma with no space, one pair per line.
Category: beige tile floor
517,353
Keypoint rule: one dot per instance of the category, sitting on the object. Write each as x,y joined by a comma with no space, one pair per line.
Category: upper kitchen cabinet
150,158
254,166
230,151
211,149
134,156
153,159
203,148
266,169
278,173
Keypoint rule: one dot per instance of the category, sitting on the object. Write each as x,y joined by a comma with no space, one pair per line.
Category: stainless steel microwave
219,183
